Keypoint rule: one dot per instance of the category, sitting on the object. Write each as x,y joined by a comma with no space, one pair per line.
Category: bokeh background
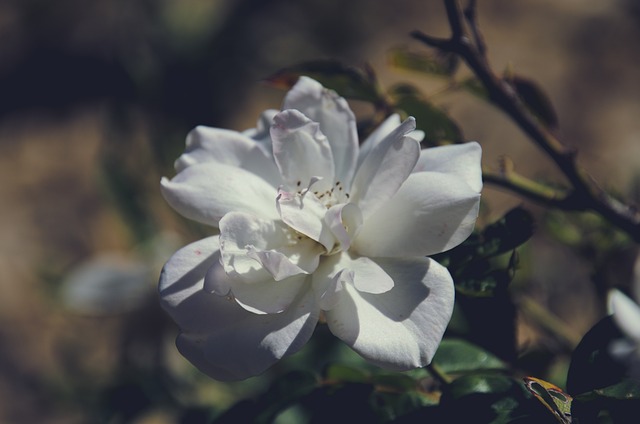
96,98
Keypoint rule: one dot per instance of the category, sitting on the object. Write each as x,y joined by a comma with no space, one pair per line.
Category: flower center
332,196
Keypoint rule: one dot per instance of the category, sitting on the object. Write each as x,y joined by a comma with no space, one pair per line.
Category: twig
585,194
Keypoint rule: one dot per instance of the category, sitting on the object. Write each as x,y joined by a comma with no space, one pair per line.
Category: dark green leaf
535,99
511,231
350,82
438,126
457,356
345,373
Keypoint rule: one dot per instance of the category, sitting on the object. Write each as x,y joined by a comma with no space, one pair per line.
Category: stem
438,374
585,193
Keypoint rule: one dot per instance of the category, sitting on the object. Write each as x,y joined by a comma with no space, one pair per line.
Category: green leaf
345,373
350,82
489,398
473,86
626,389
504,235
459,356
439,128
442,64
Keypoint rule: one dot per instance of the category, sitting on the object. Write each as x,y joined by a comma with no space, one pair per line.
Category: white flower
313,224
626,314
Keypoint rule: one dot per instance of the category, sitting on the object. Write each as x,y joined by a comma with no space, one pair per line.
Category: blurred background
97,97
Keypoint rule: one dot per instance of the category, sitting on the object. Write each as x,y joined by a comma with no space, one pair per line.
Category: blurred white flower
626,314
311,224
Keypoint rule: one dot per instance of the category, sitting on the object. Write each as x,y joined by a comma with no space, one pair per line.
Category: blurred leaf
592,365
442,64
436,124
473,86
400,382
535,99
552,397
458,356
286,390
489,398
509,232
626,389
345,373
350,82
390,406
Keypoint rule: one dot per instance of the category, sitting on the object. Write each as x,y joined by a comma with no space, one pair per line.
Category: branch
585,194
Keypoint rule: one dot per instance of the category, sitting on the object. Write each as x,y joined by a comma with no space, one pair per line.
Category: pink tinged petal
301,151
626,313
385,169
430,213
238,344
206,192
255,250
462,160
344,221
401,328
305,214
182,280
278,265
336,120
205,144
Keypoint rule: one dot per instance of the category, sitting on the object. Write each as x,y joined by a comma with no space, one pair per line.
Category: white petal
385,168
262,132
205,192
363,273
305,214
239,344
462,160
255,249
336,120
301,151
402,328
329,294
269,296
430,213
181,285
206,144
381,132
344,220
626,313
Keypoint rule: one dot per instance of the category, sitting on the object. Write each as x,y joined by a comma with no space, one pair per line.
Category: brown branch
585,193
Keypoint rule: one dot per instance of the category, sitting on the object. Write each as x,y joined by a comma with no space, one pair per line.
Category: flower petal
402,328
181,285
240,344
344,221
255,249
363,273
336,120
462,160
262,132
626,313
301,151
385,168
430,213
206,144
305,214
205,193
